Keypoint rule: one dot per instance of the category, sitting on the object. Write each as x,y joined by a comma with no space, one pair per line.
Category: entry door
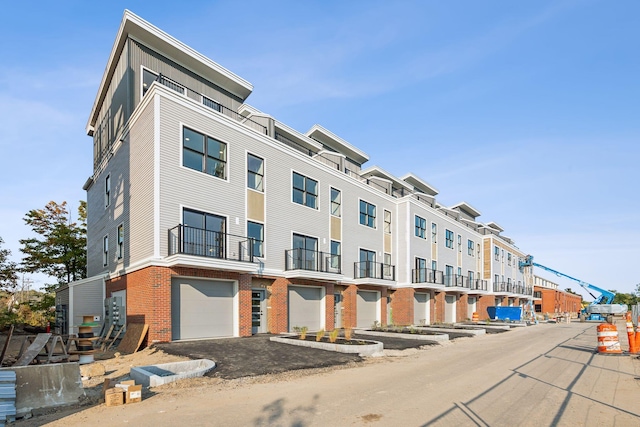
258,311
450,309
337,310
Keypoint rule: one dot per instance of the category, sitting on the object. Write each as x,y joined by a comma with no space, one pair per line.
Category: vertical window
387,271
336,202
448,278
305,252
255,231
421,227
508,258
434,233
107,191
496,279
470,276
459,271
120,241
496,253
105,251
148,78
203,234
470,248
367,214
305,191
449,239
367,263
335,254
203,153
387,222
434,265
459,243
255,172
421,270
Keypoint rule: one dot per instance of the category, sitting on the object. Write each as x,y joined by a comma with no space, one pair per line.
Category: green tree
629,299
8,269
60,250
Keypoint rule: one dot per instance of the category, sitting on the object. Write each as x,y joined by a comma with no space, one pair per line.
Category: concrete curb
470,332
480,326
432,338
362,350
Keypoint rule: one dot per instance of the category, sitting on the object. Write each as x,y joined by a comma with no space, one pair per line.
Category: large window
305,191
387,222
367,214
448,235
203,234
434,232
470,247
204,154
107,191
255,172
120,241
335,254
367,263
336,202
148,78
421,227
434,265
421,270
470,273
105,251
255,231
305,252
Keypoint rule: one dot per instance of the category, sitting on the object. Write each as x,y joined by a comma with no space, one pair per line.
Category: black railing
305,259
478,285
374,270
327,161
427,275
208,102
500,287
212,244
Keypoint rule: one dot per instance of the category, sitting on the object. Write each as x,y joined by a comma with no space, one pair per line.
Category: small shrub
347,333
413,330
303,332
375,326
320,335
333,335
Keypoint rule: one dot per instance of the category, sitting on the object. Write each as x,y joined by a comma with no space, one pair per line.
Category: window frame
260,182
368,217
306,195
471,248
448,238
459,243
336,205
206,158
496,253
144,69
105,250
420,227
257,242
336,256
434,232
107,191
387,224
120,241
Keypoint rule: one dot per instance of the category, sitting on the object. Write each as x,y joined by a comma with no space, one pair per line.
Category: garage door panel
367,308
202,309
421,308
305,307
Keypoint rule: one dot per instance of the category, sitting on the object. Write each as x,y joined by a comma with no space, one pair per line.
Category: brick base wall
402,306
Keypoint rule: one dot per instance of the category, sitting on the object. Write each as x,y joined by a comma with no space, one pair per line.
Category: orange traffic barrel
475,317
608,339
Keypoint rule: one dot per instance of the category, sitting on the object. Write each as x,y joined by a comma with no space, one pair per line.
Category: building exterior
549,299
212,218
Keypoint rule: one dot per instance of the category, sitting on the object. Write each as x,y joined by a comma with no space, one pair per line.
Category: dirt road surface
547,375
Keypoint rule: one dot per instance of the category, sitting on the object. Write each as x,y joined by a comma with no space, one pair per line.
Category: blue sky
529,111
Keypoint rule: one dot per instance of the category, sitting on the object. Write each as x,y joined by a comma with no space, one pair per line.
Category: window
107,191
421,227
120,241
387,222
421,270
336,201
470,276
105,251
434,233
470,248
496,279
367,263
255,172
448,275
367,214
148,78
305,191
203,234
335,254
508,258
496,253
434,265
387,270
459,271
459,243
305,252
449,239
204,154
255,231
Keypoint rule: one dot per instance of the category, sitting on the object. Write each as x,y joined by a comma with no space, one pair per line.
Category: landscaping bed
341,345
406,333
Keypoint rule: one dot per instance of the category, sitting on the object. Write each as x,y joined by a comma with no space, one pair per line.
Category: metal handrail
188,240
374,270
310,260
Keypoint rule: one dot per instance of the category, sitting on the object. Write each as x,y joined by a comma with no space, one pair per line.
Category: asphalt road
546,375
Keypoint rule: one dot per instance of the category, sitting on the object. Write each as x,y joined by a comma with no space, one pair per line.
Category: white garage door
367,308
201,309
305,307
450,309
421,309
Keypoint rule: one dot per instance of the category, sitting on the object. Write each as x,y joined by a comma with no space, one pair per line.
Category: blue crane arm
606,297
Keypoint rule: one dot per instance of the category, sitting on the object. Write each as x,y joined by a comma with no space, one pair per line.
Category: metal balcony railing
374,270
305,259
478,285
213,244
499,287
427,275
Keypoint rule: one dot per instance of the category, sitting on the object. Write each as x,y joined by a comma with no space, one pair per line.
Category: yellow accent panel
387,243
487,258
336,228
434,251
255,205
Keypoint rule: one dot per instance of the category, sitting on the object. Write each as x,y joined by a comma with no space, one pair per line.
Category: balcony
500,287
309,260
426,275
478,285
187,240
373,270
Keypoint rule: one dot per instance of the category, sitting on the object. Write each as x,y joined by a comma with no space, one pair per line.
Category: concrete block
44,386
164,373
